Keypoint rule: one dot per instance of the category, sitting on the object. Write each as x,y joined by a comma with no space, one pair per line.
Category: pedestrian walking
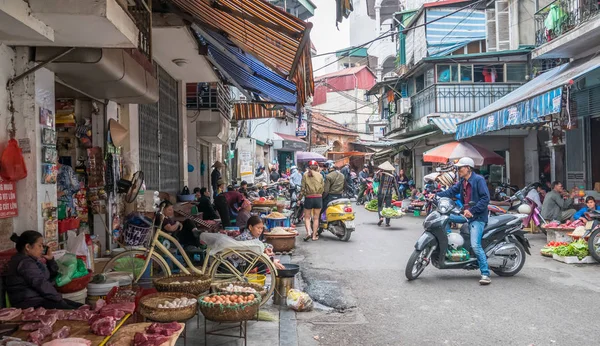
388,185
215,176
312,190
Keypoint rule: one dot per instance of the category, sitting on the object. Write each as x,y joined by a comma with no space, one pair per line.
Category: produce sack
299,301
12,164
67,266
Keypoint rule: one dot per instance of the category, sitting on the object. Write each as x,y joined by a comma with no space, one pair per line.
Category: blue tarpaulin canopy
528,105
457,30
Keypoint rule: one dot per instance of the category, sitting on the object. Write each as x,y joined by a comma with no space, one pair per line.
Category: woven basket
232,313
148,307
281,243
198,284
260,289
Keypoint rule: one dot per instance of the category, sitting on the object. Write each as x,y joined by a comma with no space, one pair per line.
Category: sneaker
485,280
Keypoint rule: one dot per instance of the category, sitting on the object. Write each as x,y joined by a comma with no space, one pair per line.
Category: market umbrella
304,156
456,150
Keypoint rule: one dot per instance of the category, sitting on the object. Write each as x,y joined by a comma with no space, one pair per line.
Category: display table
79,329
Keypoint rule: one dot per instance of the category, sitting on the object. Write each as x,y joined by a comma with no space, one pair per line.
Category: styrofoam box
574,259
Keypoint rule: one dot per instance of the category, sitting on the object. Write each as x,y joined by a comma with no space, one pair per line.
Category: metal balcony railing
141,13
208,96
561,16
458,98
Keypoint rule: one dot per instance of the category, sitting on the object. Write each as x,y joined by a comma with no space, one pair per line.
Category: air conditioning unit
404,105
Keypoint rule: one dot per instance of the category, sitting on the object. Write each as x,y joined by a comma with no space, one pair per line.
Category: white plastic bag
299,301
76,244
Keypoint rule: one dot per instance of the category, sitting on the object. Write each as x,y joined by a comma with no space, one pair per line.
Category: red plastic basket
76,285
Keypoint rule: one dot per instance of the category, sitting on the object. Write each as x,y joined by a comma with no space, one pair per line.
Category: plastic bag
67,265
12,164
299,301
76,244
80,270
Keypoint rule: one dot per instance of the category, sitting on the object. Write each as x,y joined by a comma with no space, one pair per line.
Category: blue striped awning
529,105
246,72
457,30
446,125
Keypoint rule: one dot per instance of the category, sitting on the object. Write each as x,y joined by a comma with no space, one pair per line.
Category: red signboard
8,200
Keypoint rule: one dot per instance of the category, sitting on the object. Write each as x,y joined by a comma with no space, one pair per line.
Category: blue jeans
455,219
476,231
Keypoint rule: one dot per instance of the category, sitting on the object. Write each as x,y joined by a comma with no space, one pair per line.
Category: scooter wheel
594,244
415,265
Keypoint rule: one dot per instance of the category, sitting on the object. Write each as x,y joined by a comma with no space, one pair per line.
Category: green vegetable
577,248
391,212
372,204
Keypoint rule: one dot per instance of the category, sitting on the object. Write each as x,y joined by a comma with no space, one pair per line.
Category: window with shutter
491,30
502,25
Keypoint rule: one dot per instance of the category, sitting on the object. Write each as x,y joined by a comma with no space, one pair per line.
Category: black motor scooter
503,241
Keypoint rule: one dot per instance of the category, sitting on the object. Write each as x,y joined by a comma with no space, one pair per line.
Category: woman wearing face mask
29,280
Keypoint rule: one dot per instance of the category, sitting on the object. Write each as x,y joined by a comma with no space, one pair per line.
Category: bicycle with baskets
146,260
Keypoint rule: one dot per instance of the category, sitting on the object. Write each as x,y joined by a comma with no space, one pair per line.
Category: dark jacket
29,282
206,208
479,194
215,175
274,176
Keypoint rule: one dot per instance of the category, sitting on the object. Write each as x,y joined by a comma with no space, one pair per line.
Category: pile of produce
577,248
177,303
237,289
391,213
371,205
567,225
229,299
281,231
275,215
557,244
548,250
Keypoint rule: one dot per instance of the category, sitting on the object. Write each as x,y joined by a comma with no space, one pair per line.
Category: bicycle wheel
132,261
231,266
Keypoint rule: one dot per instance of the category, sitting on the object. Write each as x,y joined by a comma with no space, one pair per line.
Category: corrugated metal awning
446,125
278,39
250,111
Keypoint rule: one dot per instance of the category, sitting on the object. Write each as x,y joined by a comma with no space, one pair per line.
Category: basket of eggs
168,306
237,287
224,307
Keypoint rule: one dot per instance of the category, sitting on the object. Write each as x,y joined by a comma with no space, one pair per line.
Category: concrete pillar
183,139
377,20
194,154
517,161
532,169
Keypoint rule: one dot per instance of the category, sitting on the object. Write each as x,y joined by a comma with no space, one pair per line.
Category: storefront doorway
595,149
286,161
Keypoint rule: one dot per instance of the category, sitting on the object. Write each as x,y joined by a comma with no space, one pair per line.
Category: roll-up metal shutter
159,137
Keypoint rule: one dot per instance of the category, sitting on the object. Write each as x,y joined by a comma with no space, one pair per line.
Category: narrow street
547,303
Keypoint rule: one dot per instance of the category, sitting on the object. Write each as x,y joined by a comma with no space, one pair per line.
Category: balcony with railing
208,97
566,28
457,98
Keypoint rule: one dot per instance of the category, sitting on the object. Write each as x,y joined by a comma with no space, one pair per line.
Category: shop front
286,147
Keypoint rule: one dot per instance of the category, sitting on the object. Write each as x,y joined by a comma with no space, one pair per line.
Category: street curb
288,332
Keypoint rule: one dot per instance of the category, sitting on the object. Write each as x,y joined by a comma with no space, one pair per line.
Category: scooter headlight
445,205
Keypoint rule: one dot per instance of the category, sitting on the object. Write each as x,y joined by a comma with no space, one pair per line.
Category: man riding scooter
475,197
334,186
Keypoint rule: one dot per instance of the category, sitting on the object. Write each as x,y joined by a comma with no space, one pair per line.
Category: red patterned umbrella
455,150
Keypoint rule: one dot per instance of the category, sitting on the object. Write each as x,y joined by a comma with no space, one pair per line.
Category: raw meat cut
8,314
28,310
39,335
141,339
69,342
100,303
104,326
79,315
48,320
62,333
127,308
166,329
33,315
31,326
118,314
84,307
60,314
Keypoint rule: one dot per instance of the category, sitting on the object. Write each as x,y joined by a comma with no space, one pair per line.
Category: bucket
99,291
78,296
282,287
256,279
124,279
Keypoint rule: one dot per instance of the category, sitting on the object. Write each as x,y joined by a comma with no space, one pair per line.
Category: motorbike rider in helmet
475,197
334,186
362,180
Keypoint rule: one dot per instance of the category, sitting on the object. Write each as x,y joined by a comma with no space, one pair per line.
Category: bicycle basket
136,235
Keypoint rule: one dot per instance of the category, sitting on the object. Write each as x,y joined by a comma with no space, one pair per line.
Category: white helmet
455,240
465,161
524,209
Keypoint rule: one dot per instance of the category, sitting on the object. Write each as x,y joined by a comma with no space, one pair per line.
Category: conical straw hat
386,166
118,133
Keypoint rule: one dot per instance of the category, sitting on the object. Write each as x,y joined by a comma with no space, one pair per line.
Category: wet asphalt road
547,303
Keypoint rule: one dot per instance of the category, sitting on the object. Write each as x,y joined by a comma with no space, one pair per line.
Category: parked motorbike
502,191
351,190
503,242
520,204
339,219
369,193
296,205
593,235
